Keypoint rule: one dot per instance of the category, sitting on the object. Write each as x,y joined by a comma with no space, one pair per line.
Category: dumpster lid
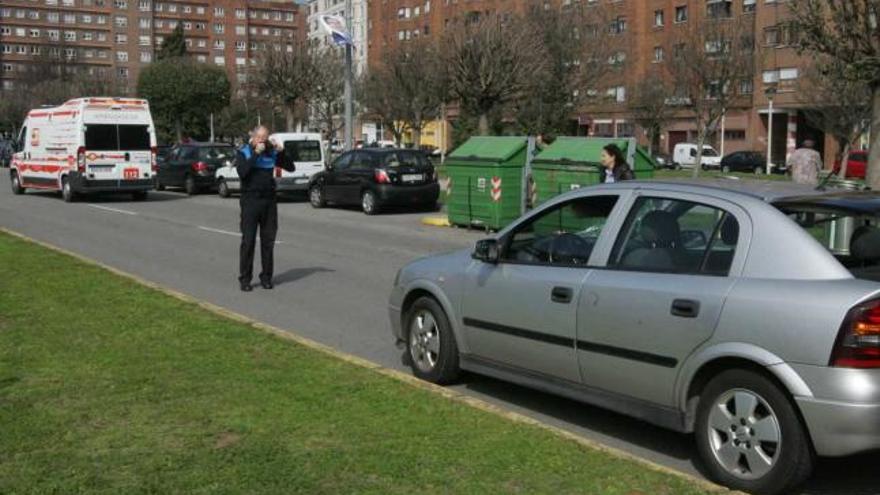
490,148
576,150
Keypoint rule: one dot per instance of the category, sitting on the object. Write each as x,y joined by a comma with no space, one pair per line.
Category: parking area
334,268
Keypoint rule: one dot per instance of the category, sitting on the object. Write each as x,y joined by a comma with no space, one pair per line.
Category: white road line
114,210
225,232
218,231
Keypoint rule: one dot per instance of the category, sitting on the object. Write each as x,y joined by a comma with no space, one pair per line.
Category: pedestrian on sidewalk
805,163
255,163
614,166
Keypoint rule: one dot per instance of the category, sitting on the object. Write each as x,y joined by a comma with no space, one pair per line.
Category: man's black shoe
267,285
246,287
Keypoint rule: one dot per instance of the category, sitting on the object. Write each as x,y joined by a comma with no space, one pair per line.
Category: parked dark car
744,161
192,166
375,178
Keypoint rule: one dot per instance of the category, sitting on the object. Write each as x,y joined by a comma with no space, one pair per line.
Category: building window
122,72
144,5
33,14
34,33
219,44
202,43
618,26
201,58
122,56
200,10
658,54
121,39
746,87
658,18
219,28
681,13
626,129
288,17
87,19
617,93
734,134
144,40
121,21
771,36
219,61
87,36
172,7
146,57
101,19
219,11
120,4
69,18
69,35
240,13
240,46
240,30
749,6
719,9
53,34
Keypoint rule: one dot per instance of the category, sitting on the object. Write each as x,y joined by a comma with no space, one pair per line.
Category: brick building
115,38
644,30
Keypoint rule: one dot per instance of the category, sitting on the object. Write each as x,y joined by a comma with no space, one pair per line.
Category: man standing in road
255,163
805,163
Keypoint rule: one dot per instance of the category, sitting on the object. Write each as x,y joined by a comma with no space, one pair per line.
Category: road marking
217,231
114,210
225,232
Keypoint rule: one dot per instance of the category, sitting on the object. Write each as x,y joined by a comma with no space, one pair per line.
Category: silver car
745,312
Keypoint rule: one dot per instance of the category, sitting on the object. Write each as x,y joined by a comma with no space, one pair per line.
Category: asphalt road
334,269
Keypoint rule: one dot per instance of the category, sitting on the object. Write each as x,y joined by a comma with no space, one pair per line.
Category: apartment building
116,38
645,31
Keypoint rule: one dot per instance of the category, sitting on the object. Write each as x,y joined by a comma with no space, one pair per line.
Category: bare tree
711,58
380,101
651,107
287,78
415,74
837,105
492,62
327,98
575,50
847,32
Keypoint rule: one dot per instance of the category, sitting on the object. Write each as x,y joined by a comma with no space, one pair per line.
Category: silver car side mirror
487,251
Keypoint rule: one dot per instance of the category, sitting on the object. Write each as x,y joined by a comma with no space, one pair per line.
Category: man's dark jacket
256,171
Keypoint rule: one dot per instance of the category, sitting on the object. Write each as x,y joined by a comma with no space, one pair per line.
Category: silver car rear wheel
744,434
424,345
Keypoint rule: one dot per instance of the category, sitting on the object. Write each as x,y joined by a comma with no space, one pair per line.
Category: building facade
645,32
358,27
116,38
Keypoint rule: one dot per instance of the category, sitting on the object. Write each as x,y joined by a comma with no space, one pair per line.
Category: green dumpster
483,181
573,162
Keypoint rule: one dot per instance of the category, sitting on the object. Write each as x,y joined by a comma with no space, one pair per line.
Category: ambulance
87,145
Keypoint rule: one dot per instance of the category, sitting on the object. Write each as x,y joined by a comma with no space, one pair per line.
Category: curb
391,373
436,221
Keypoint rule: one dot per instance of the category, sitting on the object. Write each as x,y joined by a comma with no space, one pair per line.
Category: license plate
130,173
300,181
412,177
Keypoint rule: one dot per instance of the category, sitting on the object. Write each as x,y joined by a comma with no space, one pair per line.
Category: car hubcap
368,202
424,341
316,196
744,434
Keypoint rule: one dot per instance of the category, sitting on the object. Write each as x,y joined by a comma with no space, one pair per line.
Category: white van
87,145
304,148
684,155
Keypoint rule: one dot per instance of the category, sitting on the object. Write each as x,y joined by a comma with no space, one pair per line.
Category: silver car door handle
685,308
561,295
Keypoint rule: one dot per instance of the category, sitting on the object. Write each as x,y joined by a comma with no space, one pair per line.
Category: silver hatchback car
746,312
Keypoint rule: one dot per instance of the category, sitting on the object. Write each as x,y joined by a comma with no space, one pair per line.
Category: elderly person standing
805,163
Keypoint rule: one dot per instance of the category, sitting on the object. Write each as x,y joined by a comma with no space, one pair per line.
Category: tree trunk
484,124
873,173
701,139
845,147
417,137
288,119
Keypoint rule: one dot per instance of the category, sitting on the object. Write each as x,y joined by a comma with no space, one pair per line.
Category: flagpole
349,141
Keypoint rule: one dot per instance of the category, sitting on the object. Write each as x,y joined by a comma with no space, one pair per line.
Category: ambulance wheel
159,186
67,193
139,195
16,183
189,185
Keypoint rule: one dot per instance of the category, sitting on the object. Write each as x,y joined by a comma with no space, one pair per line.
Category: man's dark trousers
257,211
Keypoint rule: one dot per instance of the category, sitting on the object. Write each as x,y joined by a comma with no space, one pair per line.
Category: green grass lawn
109,386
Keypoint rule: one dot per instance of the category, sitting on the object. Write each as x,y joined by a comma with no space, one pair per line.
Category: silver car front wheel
431,347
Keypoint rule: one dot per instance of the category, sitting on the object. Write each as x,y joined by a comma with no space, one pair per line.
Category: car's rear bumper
81,184
288,184
840,428
408,195
843,413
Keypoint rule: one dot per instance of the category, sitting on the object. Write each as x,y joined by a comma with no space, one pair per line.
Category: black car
744,161
192,166
376,177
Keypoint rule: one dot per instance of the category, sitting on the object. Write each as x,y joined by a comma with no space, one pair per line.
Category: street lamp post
349,127
770,92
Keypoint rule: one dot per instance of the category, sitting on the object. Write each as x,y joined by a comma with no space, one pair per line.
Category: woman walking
614,164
